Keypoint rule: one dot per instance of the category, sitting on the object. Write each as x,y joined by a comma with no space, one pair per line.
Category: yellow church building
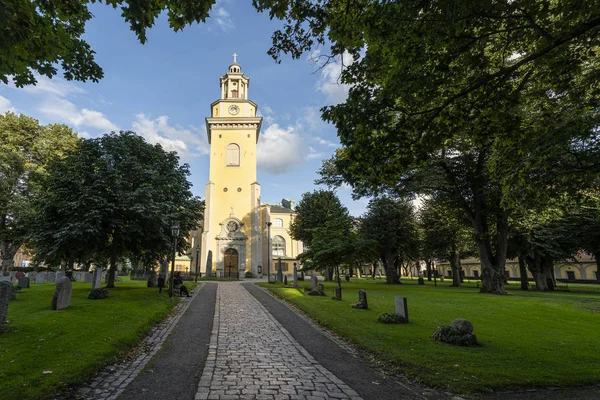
233,241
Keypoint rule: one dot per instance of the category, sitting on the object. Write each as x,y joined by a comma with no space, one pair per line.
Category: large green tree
390,225
26,148
114,196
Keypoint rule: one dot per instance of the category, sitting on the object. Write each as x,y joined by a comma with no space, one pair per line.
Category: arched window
278,222
232,156
278,245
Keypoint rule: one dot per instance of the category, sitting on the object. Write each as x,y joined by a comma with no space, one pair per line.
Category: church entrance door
231,263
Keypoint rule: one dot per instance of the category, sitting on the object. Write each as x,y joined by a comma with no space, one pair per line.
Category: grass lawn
76,342
526,338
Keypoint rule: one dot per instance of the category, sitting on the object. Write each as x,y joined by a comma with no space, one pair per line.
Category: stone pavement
251,356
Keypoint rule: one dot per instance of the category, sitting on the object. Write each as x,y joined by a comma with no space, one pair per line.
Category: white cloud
329,82
5,106
186,142
268,110
55,86
279,149
223,19
67,112
324,142
313,154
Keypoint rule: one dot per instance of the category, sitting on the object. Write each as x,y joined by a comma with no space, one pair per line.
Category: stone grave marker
338,292
59,275
285,280
19,275
362,304
321,288
97,278
5,295
13,275
62,294
152,280
295,275
401,307
313,282
279,271
6,279
40,278
87,277
209,264
51,277
32,275
24,282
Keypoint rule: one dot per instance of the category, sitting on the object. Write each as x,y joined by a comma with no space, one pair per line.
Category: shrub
387,318
449,334
97,294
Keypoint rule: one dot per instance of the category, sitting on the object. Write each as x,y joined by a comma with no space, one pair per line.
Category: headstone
62,294
40,278
152,280
6,279
338,292
362,304
462,325
313,282
295,275
20,275
209,264
24,282
97,278
13,275
32,275
279,271
219,273
59,275
5,295
88,277
51,277
401,307
321,288
285,280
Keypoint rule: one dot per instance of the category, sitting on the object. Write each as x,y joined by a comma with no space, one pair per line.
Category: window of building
278,222
571,275
278,246
234,93
476,274
232,157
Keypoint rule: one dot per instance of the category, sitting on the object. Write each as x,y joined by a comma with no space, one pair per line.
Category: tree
114,196
26,148
37,35
446,234
391,226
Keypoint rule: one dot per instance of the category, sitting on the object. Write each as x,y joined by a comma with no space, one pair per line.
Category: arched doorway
230,263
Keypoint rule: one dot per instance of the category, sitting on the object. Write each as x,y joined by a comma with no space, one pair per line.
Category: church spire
234,85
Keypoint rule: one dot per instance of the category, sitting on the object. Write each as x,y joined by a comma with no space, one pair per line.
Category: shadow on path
176,369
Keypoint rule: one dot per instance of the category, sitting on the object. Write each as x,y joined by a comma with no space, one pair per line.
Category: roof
276,208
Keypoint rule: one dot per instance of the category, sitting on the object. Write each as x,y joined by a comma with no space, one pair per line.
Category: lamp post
269,252
197,256
174,233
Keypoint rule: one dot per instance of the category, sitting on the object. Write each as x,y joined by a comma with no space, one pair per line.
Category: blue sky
162,90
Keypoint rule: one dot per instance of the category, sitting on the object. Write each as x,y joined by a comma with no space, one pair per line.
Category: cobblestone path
252,356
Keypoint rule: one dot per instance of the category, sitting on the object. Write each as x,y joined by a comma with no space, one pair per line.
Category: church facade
233,241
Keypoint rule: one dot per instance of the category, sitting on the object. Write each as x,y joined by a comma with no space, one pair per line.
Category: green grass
73,343
526,339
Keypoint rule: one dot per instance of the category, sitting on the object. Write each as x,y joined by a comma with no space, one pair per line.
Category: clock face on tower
234,110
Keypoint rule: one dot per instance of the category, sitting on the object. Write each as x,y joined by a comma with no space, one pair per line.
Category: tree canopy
26,149
114,196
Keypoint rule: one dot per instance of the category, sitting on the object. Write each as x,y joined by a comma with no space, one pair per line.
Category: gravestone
401,307
313,282
62,294
88,277
279,272
97,278
321,288
5,295
19,275
362,304
13,275
59,275
51,277
6,279
209,264
295,275
24,282
338,292
152,280
32,275
285,280
40,278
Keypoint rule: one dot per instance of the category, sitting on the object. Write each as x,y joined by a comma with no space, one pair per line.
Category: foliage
527,354
391,227
388,318
113,196
315,210
98,293
26,148
449,334
37,34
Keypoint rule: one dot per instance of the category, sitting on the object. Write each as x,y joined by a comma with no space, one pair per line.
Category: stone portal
230,263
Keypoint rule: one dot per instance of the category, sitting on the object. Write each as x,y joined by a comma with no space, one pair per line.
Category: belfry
232,227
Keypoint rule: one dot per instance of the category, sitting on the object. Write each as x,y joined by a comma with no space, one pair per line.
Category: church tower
232,214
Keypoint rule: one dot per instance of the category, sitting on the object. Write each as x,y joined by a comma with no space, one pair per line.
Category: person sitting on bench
178,282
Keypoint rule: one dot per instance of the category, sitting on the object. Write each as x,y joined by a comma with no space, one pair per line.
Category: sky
163,89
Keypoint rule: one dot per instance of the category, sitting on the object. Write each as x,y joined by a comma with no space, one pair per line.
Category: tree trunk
455,265
373,270
113,266
392,276
428,268
523,273
8,251
492,262
535,266
548,268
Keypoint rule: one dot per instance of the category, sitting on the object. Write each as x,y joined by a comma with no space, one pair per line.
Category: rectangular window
476,274
571,275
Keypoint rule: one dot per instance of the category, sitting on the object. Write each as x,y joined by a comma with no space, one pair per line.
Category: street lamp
269,252
197,256
175,234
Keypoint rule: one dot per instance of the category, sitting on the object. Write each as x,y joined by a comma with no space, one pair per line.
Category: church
240,236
